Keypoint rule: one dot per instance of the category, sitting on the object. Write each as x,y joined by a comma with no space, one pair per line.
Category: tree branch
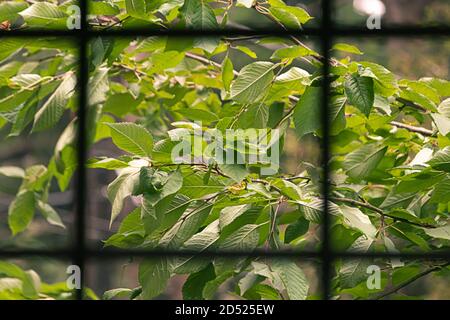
379,211
408,127
294,39
295,99
406,283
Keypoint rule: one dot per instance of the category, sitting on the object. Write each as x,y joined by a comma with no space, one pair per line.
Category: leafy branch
408,282
379,211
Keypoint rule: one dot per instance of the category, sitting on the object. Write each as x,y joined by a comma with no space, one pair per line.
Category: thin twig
406,283
408,127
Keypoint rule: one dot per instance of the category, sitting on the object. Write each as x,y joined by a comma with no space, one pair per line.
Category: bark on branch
380,212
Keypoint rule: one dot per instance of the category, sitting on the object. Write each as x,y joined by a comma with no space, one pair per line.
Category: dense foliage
390,158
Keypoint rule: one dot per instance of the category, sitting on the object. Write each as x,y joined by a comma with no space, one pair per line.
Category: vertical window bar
327,260
81,183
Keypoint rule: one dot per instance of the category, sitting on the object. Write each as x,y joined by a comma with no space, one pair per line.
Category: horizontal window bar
257,253
335,32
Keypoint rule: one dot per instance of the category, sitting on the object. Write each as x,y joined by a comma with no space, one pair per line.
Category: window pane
38,104
386,191
187,107
364,13
35,278
391,279
39,15
267,279
216,15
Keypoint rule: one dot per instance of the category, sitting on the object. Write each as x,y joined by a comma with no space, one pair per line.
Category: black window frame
327,31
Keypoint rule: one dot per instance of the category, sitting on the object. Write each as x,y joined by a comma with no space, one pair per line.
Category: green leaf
131,231
245,238
153,276
155,204
354,218
292,277
229,214
186,227
44,14
198,114
442,123
151,44
424,90
29,279
106,163
162,61
227,73
98,87
312,210
441,193
419,181
292,53
442,86
172,184
255,117
199,16
307,113
237,172
117,293
347,48
441,160
294,74
290,17
136,8
21,211
195,283
252,82
53,108
289,189
353,271
361,162
403,274
121,104
123,186
9,46
247,51
440,232
397,200
200,242
102,8
360,93
11,270
296,230
385,81
212,286
132,138
9,10
50,214
195,188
